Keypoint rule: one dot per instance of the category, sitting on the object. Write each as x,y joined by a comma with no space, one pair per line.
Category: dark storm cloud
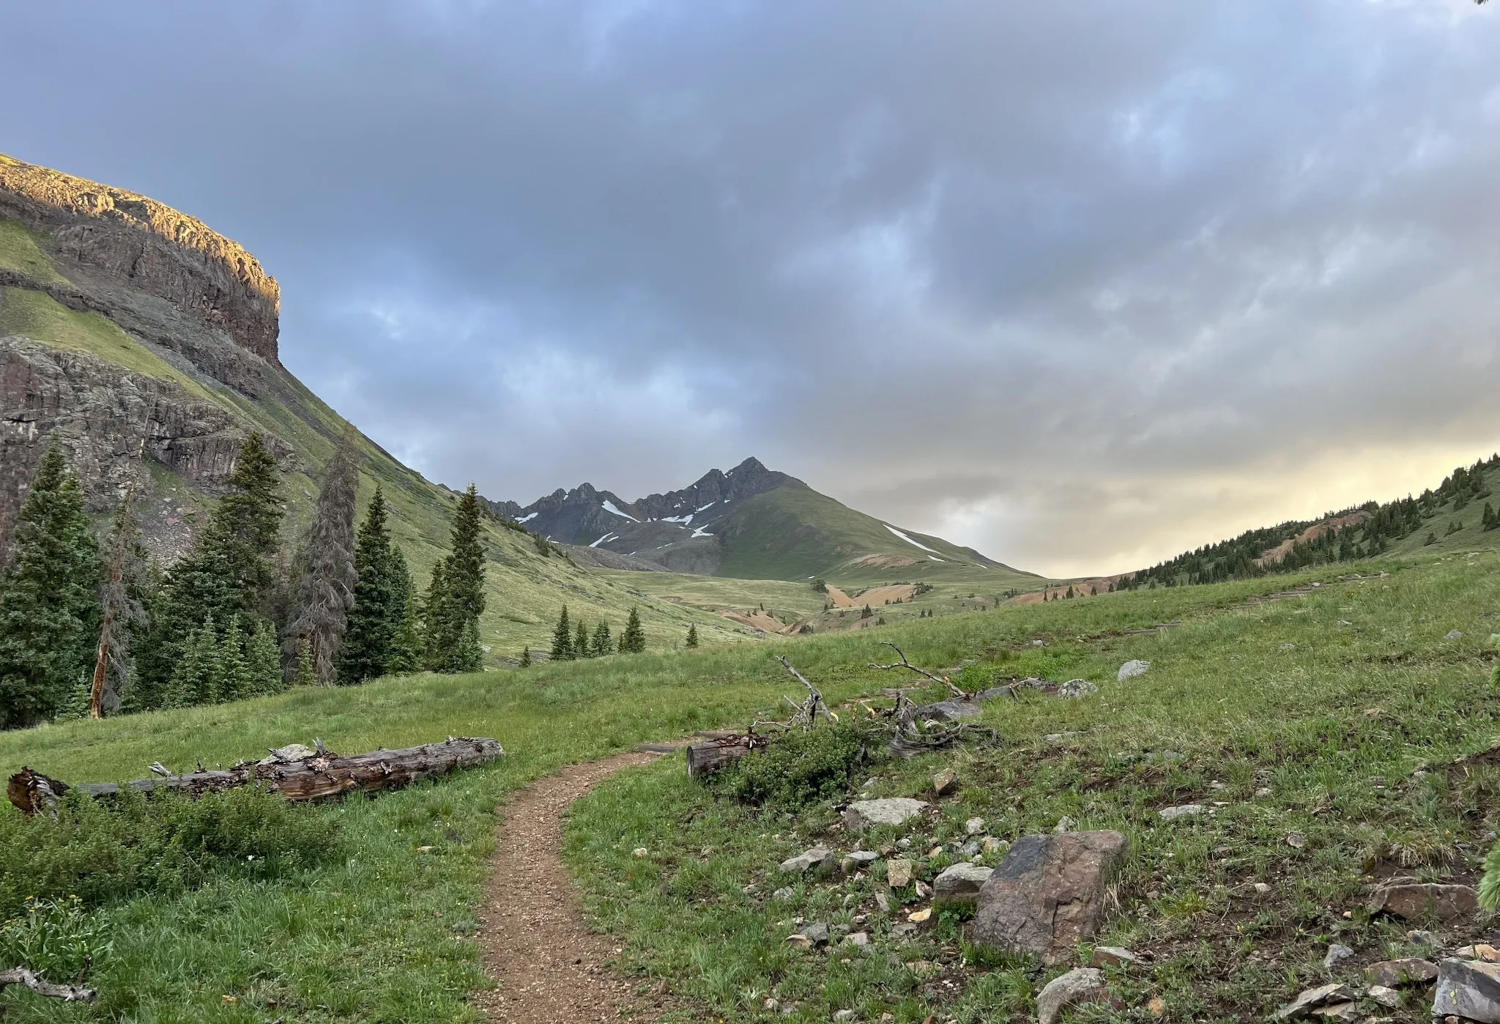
1079,287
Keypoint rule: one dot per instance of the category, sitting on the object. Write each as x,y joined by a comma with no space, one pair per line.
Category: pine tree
692,635
235,681
469,657
562,638
633,640
122,599
374,619
247,522
581,647
866,613
526,656
325,586
196,677
434,628
459,600
408,643
304,675
263,660
603,643
49,601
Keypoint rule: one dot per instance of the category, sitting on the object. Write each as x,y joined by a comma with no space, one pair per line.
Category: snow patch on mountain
701,532
908,540
601,540
609,506
528,517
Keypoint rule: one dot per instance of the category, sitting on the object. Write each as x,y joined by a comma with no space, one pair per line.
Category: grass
387,933
20,249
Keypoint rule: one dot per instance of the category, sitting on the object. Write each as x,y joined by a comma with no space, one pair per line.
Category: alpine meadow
737,512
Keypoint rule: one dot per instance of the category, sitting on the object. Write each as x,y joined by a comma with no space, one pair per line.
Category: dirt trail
549,967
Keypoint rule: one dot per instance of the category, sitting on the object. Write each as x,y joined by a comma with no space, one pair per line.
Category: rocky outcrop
111,239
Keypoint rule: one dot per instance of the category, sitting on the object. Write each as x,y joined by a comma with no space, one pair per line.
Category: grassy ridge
386,936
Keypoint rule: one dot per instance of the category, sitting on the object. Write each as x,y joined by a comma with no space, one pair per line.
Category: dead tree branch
42,987
903,663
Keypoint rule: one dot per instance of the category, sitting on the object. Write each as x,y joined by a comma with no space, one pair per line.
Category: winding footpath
548,966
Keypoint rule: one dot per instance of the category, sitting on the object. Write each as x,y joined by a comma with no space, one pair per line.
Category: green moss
20,249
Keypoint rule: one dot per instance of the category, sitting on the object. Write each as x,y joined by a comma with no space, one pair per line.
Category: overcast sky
1080,284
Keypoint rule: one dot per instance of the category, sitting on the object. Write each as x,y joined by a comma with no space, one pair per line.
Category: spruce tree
49,601
459,600
379,599
325,585
692,635
196,677
408,643
603,643
526,656
263,660
235,681
633,640
304,675
581,647
469,657
562,638
247,522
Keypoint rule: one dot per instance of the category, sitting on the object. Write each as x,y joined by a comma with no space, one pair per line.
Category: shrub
804,767
55,938
169,843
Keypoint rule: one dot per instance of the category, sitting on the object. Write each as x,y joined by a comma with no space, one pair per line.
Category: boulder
944,782
1048,894
817,861
1453,634
854,860
1074,688
1080,985
898,873
895,810
1407,971
960,883
1113,956
1412,901
1181,811
1131,669
1337,954
1315,999
1470,989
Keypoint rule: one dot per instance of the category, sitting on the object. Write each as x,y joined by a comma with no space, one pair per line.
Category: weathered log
300,777
43,987
705,759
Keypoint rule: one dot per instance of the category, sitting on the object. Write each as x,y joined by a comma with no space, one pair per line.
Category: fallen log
296,773
43,987
705,759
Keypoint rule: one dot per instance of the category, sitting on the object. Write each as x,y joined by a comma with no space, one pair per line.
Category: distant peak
750,465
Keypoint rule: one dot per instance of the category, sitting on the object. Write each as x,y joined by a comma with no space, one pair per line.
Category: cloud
1078,289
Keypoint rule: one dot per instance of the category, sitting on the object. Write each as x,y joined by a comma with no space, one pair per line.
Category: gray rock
1048,894
904,929
960,883
1387,997
1113,956
816,932
1468,988
1453,634
974,826
944,782
1131,669
1064,824
842,1016
1406,971
857,939
786,893
1411,900
898,872
1181,811
1080,985
1337,954
1075,688
817,861
854,860
994,845
1312,999
895,810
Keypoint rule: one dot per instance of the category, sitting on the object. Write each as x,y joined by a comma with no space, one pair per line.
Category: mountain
750,522
149,345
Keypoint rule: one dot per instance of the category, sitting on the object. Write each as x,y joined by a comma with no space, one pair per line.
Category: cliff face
110,239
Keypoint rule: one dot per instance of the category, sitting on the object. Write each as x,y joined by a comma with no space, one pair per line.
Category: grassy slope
525,589
384,936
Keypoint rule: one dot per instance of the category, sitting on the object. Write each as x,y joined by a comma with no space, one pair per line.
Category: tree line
92,625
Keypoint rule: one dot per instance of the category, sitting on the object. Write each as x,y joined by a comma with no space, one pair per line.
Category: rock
816,861
1113,956
898,872
882,901
944,782
1418,937
1387,997
786,893
1453,634
1296,840
1337,954
1132,668
1468,988
799,940
904,930
1048,894
923,889
1075,688
895,810
960,883
1313,998
1157,1006
1395,973
1054,739
1348,1011
1478,951
1415,900
816,932
640,851
1181,811
993,845
970,849
920,916
1080,985
1064,824
854,860
1345,622
974,826
857,939
844,1015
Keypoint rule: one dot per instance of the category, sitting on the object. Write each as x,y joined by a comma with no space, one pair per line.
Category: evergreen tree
1489,521
562,638
633,640
692,635
469,657
196,677
325,586
434,630
304,675
408,643
459,600
247,522
49,601
866,613
603,642
581,648
235,681
263,660
526,656
122,599
379,605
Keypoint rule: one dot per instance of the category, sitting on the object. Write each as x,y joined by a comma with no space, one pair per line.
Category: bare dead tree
325,589
903,663
42,987
124,615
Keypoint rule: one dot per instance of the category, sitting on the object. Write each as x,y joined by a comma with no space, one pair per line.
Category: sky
1080,284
